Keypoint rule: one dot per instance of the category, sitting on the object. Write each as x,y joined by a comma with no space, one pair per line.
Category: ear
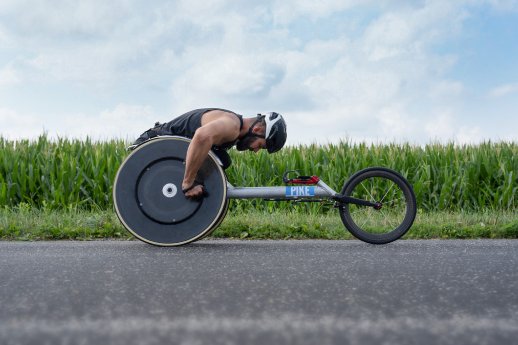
257,129
260,128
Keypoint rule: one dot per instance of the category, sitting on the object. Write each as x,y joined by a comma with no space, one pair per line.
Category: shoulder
221,116
221,126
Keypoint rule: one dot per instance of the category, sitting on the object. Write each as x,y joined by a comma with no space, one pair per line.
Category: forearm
196,154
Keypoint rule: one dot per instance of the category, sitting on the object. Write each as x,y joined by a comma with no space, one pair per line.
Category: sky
354,70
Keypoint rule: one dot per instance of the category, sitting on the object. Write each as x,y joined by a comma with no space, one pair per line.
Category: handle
311,180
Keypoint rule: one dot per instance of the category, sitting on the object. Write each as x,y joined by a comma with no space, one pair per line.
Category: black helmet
275,134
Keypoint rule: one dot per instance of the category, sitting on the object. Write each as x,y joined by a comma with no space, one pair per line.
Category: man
219,130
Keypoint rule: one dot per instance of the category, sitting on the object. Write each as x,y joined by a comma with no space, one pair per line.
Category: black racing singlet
185,125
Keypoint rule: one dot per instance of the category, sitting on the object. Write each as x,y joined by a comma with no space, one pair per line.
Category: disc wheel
395,211
148,195
218,221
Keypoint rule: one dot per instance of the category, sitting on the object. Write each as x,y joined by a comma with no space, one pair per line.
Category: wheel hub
169,190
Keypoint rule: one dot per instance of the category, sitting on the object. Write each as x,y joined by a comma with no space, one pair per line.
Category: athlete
219,130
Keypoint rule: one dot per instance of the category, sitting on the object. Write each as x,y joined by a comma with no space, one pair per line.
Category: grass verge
30,224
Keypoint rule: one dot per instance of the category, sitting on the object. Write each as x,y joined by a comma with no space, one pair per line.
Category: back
186,125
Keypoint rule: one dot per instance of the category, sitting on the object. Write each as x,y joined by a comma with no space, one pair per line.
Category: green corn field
65,173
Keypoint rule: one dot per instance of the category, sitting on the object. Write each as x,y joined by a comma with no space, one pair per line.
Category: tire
224,211
393,219
148,198
218,221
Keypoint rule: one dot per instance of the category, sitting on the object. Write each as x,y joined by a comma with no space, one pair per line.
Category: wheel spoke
384,196
365,219
372,198
387,219
394,221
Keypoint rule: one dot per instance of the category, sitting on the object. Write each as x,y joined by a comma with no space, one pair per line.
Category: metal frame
321,190
280,193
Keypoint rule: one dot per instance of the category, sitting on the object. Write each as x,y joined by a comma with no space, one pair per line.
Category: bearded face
245,143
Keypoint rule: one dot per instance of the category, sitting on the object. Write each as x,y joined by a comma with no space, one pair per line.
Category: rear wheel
148,194
395,212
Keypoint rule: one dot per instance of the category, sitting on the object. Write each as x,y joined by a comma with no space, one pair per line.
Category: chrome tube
280,192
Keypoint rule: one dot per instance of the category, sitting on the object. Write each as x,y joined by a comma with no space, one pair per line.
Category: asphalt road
259,292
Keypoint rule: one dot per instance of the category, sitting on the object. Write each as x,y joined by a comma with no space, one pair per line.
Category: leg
224,157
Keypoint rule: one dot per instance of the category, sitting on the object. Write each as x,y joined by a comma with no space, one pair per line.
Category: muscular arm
217,131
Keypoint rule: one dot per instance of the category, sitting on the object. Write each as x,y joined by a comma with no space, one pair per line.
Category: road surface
259,292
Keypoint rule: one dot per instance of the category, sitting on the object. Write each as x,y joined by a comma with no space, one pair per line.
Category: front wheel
395,212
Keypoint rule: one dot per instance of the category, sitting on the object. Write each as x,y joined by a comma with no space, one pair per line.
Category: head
268,131
254,139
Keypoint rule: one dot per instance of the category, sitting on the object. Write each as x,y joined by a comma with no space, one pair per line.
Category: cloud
95,42
61,19
396,123
125,121
503,5
225,77
468,135
446,88
379,84
3,37
375,84
379,75
9,76
412,31
441,127
504,90
286,11
16,125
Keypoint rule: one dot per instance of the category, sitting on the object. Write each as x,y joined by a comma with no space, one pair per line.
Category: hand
195,193
193,190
